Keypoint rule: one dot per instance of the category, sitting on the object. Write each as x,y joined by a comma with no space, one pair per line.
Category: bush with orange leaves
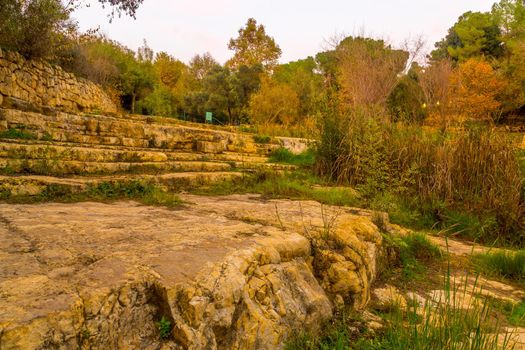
475,90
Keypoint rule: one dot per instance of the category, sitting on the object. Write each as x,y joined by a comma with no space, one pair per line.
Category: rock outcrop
36,85
235,272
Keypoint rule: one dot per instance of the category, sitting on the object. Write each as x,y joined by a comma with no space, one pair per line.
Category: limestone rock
37,84
224,271
387,298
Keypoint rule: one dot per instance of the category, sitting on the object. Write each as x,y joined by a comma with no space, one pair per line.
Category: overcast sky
184,28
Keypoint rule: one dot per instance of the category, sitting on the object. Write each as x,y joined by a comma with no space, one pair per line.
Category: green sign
209,117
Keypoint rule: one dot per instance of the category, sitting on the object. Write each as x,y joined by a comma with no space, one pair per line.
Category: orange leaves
475,89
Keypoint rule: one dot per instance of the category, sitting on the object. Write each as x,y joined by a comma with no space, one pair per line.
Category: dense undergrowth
467,180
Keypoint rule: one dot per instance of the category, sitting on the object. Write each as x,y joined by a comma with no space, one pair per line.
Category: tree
367,70
303,78
129,7
476,88
35,28
406,100
435,85
220,93
274,103
475,34
253,47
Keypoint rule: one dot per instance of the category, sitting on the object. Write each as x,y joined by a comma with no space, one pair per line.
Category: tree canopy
253,47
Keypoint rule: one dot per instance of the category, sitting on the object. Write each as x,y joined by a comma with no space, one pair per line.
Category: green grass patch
283,155
506,264
514,312
416,252
17,133
144,192
293,185
262,139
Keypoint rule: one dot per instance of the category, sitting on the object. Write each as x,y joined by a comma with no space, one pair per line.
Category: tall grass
473,170
507,264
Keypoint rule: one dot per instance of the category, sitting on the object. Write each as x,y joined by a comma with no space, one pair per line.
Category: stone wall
37,86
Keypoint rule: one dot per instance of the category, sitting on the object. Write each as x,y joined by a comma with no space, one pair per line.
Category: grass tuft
506,264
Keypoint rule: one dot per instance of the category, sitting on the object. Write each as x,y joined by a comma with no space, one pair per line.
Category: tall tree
253,47
474,34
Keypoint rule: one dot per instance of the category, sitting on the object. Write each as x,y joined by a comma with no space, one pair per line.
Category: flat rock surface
57,258
50,252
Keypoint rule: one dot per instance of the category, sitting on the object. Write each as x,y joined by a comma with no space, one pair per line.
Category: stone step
69,167
31,185
20,149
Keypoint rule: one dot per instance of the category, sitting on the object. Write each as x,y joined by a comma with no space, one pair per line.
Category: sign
209,117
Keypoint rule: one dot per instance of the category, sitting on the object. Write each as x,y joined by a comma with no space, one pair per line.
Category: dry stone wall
37,86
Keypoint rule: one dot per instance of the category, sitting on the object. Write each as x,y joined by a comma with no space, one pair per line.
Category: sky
184,28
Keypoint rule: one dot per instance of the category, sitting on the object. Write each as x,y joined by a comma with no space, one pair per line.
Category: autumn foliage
476,89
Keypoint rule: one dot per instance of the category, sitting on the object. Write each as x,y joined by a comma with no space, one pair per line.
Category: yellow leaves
274,103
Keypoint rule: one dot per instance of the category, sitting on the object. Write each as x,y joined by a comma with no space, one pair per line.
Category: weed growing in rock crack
507,264
164,326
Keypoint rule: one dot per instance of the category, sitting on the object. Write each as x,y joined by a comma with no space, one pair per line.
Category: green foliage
475,34
301,76
253,47
17,133
415,252
405,101
35,28
283,155
506,264
164,326
517,314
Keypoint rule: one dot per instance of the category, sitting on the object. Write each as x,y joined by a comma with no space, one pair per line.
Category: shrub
262,138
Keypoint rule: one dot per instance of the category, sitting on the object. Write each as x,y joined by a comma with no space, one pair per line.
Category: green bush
35,28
